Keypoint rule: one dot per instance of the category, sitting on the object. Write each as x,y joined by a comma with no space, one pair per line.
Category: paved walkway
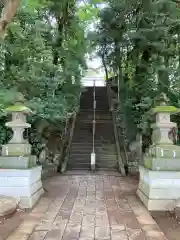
86,207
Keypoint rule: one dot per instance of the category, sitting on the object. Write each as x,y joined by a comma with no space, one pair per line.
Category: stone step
108,158
79,166
102,154
115,166
111,159
101,163
98,155
97,142
105,147
82,158
87,167
97,149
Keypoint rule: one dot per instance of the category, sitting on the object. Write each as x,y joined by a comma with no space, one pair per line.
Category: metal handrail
94,116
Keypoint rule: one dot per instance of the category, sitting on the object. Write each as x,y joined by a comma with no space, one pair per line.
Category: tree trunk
9,11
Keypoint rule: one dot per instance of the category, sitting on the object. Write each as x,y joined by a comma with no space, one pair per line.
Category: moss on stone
165,109
148,163
18,108
16,154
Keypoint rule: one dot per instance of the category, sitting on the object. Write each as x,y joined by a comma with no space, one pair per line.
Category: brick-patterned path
86,207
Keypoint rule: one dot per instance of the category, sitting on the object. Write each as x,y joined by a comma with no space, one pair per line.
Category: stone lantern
160,172
17,146
20,177
163,154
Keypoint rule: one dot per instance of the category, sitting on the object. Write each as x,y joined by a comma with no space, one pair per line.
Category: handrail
120,161
94,115
67,150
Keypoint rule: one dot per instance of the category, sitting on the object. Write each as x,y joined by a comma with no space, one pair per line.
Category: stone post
159,184
20,177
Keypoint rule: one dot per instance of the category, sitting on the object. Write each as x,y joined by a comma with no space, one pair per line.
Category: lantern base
23,184
158,190
16,149
162,164
22,162
164,151
162,158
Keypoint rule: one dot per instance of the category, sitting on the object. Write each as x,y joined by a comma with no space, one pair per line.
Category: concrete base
23,184
158,190
155,204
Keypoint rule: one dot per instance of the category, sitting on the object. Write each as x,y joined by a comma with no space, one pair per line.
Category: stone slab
164,151
159,193
26,190
16,149
8,205
156,204
23,184
159,178
29,202
158,190
20,177
21,162
162,164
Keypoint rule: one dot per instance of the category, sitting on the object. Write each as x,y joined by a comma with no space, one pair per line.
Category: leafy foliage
43,57
139,42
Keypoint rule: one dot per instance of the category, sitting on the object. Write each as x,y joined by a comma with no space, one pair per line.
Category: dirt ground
168,224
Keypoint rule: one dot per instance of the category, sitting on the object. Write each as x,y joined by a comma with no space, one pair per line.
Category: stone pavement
86,207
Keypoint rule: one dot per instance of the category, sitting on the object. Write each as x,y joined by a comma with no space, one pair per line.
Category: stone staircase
105,146
81,146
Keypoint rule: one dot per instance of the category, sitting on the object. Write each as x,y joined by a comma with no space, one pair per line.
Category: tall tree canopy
139,42
43,54
43,57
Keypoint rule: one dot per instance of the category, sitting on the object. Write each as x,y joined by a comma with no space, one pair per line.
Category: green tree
43,57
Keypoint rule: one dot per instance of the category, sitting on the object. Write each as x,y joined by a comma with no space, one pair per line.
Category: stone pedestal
14,162
158,190
23,184
163,158
18,149
20,177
